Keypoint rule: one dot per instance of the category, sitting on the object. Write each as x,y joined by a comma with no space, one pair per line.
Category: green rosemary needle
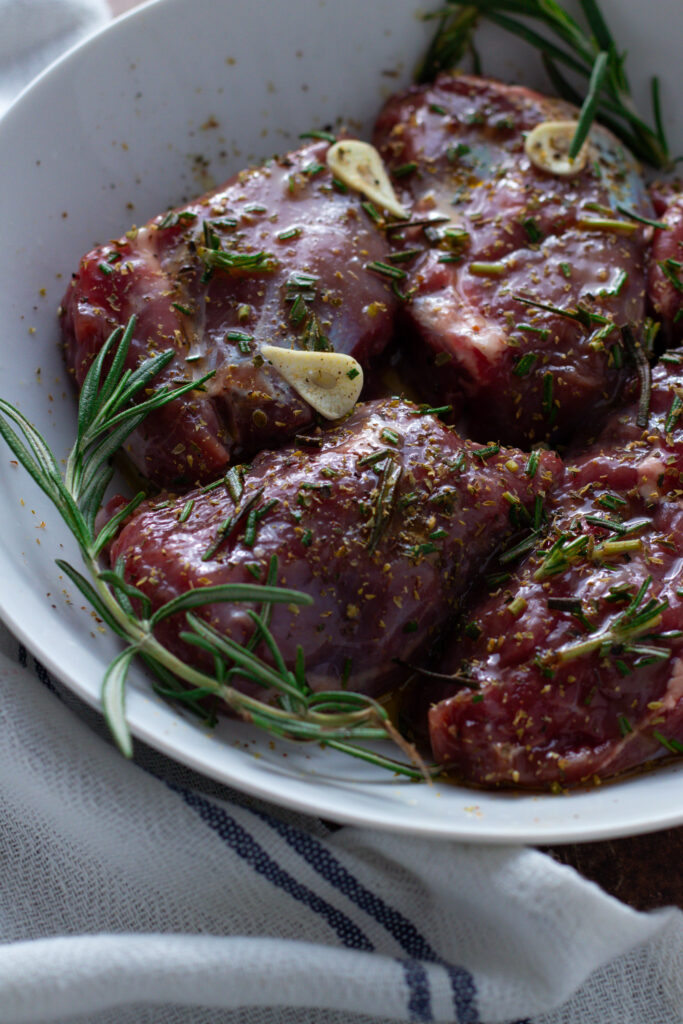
588,51
107,413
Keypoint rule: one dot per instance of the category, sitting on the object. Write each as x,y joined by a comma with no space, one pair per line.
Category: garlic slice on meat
329,381
359,165
547,146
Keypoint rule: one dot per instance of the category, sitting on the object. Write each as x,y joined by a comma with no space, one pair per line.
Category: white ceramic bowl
134,120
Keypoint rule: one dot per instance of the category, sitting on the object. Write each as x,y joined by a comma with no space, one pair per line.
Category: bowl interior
162,104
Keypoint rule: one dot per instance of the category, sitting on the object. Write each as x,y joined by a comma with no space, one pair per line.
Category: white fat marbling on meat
649,472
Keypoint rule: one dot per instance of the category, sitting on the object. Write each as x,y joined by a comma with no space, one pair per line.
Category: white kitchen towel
35,32
142,892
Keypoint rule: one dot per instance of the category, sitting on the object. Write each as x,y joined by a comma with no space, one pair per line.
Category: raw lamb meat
665,278
502,228
277,256
573,669
385,521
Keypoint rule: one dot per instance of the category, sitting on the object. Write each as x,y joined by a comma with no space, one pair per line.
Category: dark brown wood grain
643,871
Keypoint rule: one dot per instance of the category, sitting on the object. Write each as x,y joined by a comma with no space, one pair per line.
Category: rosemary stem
144,642
608,636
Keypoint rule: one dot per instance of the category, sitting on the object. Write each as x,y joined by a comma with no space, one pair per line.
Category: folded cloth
35,32
135,893
143,892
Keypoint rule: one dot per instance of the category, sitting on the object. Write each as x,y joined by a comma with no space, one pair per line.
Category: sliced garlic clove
329,381
359,165
548,144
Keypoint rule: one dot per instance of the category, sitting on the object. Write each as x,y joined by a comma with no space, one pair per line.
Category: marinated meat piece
577,670
385,525
276,256
665,279
503,228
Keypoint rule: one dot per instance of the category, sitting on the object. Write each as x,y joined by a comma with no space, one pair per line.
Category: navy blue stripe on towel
403,931
419,998
246,847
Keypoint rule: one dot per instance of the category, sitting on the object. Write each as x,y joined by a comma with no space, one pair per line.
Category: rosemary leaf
113,700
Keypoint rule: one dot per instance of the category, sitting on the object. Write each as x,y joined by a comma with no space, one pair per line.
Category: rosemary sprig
637,620
106,416
638,356
589,53
389,478
235,262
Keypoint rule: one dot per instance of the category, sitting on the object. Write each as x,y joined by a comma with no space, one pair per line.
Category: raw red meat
308,242
456,149
665,279
385,524
576,670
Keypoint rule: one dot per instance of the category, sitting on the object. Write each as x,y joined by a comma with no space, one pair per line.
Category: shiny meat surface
665,278
576,671
504,229
385,522
276,256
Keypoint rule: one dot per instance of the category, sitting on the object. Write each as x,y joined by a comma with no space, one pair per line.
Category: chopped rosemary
670,269
611,501
372,211
639,357
582,315
236,262
635,621
457,239
433,410
454,153
404,170
390,436
563,552
673,745
517,606
482,269
186,511
390,476
627,212
185,310
606,224
606,524
486,453
234,482
533,232
543,332
515,552
618,282
386,270
372,458
292,232
322,136
674,413
404,255
625,726
228,525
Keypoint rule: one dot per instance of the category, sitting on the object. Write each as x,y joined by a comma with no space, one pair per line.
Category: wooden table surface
643,871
